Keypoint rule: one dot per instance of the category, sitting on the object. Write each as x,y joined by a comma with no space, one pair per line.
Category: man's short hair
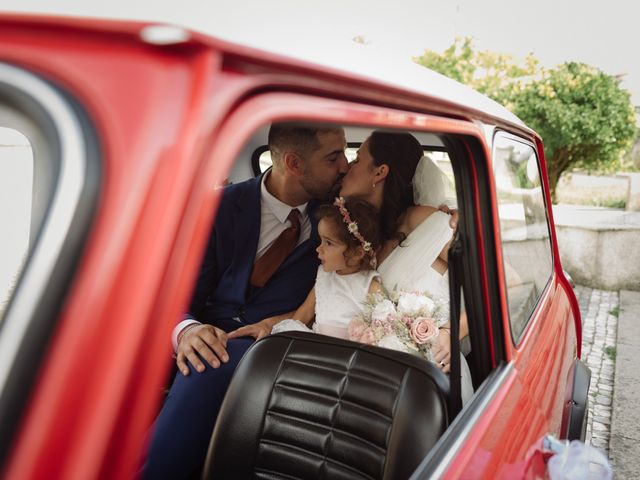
297,137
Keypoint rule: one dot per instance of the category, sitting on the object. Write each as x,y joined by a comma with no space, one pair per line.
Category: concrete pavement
624,447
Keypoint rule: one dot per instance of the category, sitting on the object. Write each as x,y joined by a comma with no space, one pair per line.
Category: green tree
583,116
497,75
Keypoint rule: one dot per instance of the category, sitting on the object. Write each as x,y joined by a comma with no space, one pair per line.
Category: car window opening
433,185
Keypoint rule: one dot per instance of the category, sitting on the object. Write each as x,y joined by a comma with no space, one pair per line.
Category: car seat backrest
302,405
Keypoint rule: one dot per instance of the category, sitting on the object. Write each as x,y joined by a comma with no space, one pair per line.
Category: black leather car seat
302,405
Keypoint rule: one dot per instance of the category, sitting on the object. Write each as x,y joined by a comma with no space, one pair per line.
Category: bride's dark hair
401,152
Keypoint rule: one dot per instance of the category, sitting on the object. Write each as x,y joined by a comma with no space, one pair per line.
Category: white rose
412,304
382,310
394,343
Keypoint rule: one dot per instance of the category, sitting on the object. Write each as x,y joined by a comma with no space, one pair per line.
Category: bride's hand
453,221
442,350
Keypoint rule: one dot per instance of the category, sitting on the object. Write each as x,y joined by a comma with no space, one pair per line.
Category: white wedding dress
408,267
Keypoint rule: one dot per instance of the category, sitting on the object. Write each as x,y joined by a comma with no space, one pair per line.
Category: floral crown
353,230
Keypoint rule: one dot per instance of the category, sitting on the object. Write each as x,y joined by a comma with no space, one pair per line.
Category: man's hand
205,340
257,330
453,221
442,350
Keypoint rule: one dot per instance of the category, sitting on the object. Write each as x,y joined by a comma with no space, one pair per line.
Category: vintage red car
132,130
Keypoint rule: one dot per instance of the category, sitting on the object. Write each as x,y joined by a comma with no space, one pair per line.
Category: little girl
350,236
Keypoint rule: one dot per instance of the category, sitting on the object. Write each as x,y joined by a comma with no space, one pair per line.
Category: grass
612,203
615,312
611,352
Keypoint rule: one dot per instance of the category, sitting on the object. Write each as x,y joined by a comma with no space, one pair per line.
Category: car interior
318,397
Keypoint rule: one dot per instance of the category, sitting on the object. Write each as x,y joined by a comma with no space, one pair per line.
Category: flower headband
353,230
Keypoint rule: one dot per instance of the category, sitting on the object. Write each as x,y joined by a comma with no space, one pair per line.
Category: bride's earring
374,185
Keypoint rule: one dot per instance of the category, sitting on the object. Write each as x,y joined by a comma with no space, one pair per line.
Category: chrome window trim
461,428
56,224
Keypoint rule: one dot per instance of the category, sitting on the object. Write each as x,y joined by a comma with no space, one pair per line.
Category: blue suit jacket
223,296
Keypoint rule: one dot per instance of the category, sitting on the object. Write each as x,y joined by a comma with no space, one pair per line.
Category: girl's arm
307,310
375,286
304,313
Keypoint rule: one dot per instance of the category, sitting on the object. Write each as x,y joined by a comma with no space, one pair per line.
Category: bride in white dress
409,267
416,236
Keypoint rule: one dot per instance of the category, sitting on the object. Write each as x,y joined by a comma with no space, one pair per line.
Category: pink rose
356,329
368,337
423,330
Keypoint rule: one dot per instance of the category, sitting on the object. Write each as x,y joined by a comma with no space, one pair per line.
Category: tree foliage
583,116
496,75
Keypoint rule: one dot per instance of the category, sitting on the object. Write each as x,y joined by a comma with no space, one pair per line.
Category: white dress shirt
273,221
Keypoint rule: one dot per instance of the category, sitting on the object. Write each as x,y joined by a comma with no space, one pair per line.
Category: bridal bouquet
401,320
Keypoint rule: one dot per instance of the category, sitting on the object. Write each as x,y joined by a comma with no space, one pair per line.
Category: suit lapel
246,232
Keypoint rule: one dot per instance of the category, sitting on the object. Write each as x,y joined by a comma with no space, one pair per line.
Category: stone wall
599,248
600,190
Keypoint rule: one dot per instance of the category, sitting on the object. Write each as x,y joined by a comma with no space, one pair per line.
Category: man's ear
292,163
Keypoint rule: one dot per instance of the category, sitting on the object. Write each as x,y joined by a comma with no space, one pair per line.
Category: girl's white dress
339,298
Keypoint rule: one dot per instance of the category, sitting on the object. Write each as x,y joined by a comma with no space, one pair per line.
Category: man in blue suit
259,266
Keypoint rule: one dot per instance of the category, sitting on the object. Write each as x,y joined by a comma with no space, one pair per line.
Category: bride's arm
375,286
415,216
444,254
442,348
464,326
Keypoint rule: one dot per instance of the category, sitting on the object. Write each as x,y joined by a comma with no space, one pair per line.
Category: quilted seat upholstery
308,406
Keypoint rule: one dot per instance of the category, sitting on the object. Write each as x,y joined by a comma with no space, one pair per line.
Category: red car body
168,121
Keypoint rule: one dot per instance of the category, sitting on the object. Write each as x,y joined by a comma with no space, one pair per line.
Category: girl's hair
401,152
368,220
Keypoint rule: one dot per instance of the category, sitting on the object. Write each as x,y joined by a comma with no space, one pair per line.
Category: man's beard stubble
322,194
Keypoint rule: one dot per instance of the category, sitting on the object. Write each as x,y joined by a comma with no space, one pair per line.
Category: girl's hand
260,329
255,330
